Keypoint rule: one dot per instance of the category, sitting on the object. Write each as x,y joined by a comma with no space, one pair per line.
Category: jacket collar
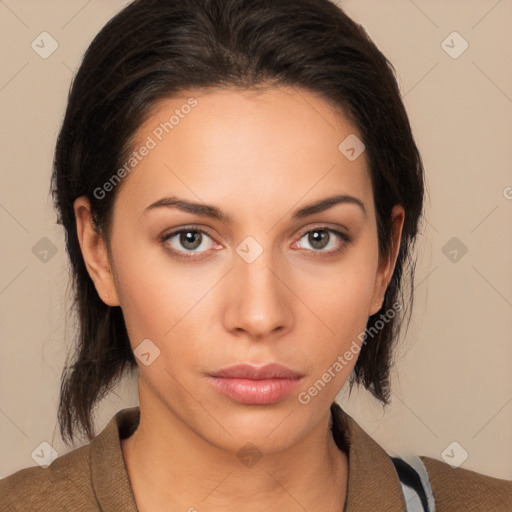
109,475
372,483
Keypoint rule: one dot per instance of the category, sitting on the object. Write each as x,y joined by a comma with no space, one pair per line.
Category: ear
94,252
387,263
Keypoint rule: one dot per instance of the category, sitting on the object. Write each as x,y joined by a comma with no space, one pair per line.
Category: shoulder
90,478
458,489
65,483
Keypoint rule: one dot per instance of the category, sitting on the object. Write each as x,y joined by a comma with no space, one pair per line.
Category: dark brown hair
154,49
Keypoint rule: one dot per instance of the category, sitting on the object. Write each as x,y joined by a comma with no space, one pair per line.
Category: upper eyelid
325,228
177,231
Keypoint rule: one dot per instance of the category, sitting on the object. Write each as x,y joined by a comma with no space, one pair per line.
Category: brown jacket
94,477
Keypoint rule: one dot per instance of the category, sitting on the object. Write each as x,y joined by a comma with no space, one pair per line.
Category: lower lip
248,391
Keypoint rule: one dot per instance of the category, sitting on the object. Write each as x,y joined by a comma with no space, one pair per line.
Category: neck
170,467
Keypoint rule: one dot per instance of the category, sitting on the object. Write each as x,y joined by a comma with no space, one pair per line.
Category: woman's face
255,277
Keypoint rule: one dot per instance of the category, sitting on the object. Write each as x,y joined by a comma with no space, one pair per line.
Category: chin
271,428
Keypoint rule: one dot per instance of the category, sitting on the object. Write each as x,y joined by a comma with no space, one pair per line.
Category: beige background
453,379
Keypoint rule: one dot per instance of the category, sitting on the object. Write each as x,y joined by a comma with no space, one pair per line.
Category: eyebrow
215,213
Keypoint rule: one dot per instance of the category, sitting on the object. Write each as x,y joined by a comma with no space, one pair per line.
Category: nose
259,302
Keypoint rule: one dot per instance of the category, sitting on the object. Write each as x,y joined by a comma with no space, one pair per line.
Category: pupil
187,239
317,237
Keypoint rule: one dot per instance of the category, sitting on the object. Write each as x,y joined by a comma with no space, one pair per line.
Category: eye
187,240
190,242
322,237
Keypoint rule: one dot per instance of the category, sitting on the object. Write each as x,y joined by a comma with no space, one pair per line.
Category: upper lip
247,371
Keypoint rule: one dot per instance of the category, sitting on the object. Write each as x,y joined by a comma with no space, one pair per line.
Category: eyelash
177,254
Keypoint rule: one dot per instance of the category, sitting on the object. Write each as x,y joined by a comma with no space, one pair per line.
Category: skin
258,158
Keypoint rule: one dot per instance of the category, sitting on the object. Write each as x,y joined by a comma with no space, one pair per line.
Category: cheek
160,298
341,293
340,296
145,293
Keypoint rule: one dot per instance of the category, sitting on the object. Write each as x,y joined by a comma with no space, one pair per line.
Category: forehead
245,148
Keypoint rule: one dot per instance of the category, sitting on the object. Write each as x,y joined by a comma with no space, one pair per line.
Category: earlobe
387,265
94,252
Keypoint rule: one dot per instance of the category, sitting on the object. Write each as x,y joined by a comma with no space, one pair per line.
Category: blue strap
415,483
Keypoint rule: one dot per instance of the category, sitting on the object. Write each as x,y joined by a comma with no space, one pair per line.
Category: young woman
241,192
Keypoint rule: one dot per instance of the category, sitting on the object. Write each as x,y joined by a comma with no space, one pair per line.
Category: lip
261,385
248,371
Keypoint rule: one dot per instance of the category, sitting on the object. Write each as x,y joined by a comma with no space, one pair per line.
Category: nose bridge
254,266
259,302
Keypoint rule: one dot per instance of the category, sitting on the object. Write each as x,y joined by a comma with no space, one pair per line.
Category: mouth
247,384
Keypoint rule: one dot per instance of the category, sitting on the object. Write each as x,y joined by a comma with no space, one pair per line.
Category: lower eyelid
345,239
